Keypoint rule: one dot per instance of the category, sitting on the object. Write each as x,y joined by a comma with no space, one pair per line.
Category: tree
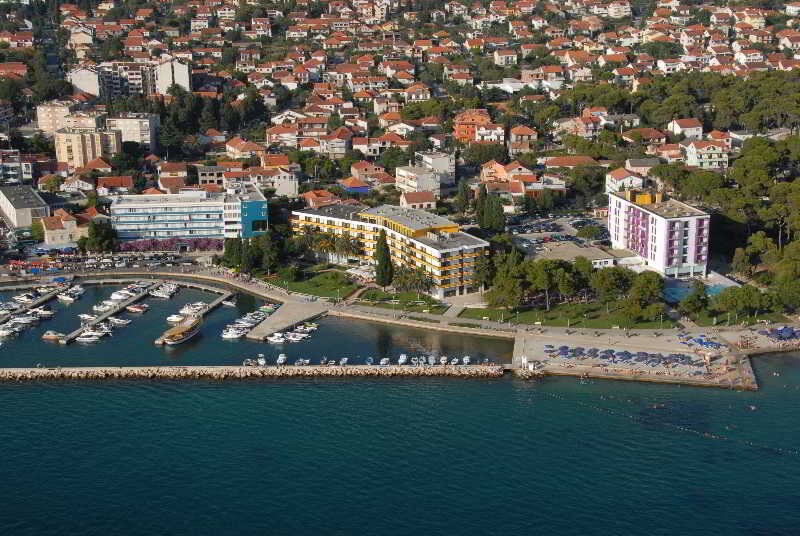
610,284
696,300
462,198
232,252
589,232
37,230
480,153
384,271
101,237
480,205
208,117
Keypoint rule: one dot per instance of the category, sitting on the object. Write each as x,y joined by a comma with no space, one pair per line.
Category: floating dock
41,300
69,337
226,295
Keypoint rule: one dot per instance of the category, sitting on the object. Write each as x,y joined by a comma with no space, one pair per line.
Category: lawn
326,285
402,301
707,318
579,315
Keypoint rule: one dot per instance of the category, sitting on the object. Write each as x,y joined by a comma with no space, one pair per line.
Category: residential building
141,128
62,228
417,179
668,236
622,179
418,200
20,205
10,166
691,129
466,124
51,115
78,146
191,213
706,154
417,239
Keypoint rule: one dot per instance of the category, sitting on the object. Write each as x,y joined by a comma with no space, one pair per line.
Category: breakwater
244,373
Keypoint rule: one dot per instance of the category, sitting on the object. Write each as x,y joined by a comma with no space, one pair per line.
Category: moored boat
183,331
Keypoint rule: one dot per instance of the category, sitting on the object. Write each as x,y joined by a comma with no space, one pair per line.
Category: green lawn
323,285
706,318
580,315
402,301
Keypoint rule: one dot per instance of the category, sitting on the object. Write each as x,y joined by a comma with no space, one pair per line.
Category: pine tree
384,271
480,206
208,117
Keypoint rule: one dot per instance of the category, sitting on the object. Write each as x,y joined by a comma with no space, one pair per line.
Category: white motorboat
343,361
415,361
94,333
385,361
101,308
42,312
293,337
431,360
229,303
369,361
25,320
27,297
454,361
232,334
276,338
193,308
64,297
87,317
402,360
262,361
174,319
121,295
118,321
7,331
282,359
443,360
466,360
86,338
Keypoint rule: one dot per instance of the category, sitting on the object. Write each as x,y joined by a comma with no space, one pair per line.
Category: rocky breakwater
223,373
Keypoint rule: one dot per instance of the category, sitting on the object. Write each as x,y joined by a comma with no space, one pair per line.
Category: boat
454,361
466,360
174,319
343,362
42,312
431,360
276,338
262,361
7,331
402,360
415,361
193,308
232,334
118,321
95,333
86,317
86,338
369,361
51,335
385,361
64,297
121,295
101,308
184,331
281,359
24,320
229,303
27,297
299,363
296,337
137,308
443,360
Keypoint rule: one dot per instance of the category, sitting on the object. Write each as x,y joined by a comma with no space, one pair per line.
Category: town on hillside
606,163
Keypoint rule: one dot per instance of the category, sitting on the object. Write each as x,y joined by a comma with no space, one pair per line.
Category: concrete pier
287,316
69,337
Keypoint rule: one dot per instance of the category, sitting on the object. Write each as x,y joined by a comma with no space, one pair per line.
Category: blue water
676,290
399,456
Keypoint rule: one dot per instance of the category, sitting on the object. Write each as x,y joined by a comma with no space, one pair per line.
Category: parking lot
534,234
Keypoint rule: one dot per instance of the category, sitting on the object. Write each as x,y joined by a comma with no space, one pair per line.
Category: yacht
193,308
276,338
281,359
262,361
101,308
385,361
174,319
42,312
64,297
467,359
51,335
229,333
137,308
121,295
183,331
343,362
85,337
25,320
402,360
118,321
454,361
443,360
87,317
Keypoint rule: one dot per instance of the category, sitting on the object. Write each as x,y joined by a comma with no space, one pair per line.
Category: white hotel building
669,237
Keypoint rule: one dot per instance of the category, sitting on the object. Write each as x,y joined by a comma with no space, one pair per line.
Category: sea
382,456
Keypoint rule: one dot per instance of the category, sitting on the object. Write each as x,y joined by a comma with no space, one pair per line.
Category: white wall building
669,237
141,128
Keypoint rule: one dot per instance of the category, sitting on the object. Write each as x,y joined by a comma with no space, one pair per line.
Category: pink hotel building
669,237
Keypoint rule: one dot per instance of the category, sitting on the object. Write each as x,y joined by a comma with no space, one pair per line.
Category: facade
706,154
191,213
417,179
21,205
417,239
10,166
123,78
62,228
51,116
78,146
669,237
141,128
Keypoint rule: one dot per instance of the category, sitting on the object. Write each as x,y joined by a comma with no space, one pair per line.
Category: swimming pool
677,289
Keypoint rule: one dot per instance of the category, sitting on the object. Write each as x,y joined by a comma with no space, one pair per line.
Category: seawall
243,373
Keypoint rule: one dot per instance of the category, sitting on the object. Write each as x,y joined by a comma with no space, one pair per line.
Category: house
622,179
173,169
706,154
691,129
505,58
121,184
354,186
319,198
62,229
645,136
521,139
239,148
569,162
420,200
467,122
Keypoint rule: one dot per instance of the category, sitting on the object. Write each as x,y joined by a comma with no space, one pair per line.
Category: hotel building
191,213
417,239
670,237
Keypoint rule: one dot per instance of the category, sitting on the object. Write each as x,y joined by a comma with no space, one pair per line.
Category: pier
69,337
225,295
41,300
238,372
287,316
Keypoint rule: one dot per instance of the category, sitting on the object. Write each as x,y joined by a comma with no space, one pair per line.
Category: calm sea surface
432,456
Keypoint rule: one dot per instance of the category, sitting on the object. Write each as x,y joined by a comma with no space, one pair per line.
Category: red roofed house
691,129
622,179
121,184
62,229
421,200
319,198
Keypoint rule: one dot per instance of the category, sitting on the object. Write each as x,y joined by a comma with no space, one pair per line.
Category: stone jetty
224,373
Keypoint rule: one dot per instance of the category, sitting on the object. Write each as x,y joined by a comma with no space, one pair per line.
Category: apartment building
141,128
20,205
123,78
668,236
78,146
51,115
191,213
702,154
416,238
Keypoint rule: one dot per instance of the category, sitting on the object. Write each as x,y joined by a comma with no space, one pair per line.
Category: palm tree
325,243
346,246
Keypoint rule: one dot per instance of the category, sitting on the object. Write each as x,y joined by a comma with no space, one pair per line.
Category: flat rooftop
412,218
340,211
22,197
445,241
668,208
